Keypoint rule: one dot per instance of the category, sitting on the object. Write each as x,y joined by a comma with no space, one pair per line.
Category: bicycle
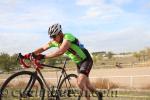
34,84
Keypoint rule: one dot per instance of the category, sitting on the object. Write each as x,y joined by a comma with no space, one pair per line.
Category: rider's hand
39,56
27,56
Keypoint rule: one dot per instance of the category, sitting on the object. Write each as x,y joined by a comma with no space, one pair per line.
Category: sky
101,25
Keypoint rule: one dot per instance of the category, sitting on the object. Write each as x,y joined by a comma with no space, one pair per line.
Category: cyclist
69,45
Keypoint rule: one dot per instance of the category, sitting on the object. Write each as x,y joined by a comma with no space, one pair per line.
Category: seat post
65,63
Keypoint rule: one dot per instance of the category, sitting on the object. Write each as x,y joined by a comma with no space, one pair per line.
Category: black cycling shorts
85,66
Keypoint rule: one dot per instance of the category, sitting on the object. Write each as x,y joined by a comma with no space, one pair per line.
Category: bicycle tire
69,91
31,75
76,93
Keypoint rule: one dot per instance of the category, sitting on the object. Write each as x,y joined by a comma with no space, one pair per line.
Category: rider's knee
80,84
81,81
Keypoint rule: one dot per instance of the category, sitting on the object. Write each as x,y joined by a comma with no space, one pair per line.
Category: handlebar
32,61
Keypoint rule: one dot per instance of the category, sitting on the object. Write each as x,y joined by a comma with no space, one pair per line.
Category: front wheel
22,85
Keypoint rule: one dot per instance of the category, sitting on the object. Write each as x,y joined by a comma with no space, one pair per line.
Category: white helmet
54,29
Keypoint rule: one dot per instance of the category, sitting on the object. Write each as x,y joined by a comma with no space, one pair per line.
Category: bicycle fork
27,91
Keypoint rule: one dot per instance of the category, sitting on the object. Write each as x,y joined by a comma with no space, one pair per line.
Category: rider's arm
62,49
42,49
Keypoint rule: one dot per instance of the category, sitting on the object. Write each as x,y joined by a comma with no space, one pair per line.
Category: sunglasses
54,36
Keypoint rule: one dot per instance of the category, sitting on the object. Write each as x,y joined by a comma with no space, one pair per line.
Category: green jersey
75,52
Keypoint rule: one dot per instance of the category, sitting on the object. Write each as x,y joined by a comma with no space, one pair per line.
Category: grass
100,84
105,84
109,91
147,87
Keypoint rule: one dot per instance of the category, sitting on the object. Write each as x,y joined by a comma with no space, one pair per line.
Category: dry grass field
131,79
136,77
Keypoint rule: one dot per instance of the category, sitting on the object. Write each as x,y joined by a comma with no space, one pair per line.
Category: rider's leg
93,89
84,68
82,79
90,86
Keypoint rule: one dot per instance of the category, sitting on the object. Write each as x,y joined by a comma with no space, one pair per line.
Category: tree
143,54
94,59
50,61
109,55
4,62
137,55
148,53
13,59
7,62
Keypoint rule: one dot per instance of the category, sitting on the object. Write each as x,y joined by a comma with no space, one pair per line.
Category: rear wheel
22,85
68,88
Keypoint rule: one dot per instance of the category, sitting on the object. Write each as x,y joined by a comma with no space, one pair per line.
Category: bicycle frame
39,73
63,73
37,66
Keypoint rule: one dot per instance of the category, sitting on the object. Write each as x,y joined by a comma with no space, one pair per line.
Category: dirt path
131,77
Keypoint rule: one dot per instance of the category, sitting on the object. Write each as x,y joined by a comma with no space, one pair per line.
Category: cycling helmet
54,30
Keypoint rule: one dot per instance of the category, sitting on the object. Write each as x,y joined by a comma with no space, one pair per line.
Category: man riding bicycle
69,45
